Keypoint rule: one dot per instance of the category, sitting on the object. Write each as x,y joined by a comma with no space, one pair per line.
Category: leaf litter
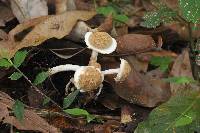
158,71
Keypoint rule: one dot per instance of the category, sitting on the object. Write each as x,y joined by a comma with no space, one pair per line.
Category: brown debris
31,120
132,43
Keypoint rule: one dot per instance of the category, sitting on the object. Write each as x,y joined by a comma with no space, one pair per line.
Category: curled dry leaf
181,68
139,65
31,120
55,26
132,43
27,9
144,90
107,25
5,14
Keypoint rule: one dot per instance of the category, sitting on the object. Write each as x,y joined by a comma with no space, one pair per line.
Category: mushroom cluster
89,78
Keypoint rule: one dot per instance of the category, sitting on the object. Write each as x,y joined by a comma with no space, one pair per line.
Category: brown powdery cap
101,40
88,78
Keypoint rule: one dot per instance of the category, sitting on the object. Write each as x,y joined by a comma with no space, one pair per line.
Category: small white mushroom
122,72
99,42
86,78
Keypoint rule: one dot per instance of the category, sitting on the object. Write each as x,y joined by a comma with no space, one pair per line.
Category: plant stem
39,91
95,4
191,38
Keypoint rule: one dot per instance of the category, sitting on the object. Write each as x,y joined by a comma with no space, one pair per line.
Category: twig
39,91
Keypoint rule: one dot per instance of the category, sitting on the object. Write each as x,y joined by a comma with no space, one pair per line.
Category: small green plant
18,109
40,78
80,112
69,99
161,62
162,15
189,9
180,80
16,63
179,114
107,10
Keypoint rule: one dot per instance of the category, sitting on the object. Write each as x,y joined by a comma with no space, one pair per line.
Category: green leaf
5,63
15,76
180,80
80,112
69,99
155,18
19,58
46,101
41,77
18,109
190,10
179,115
76,112
161,62
184,120
106,10
121,18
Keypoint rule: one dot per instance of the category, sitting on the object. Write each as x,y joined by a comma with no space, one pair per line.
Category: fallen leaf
140,89
122,30
132,43
3,35
139,65
5,14
107,25
31,120
28,9
161,53
55,26
181,68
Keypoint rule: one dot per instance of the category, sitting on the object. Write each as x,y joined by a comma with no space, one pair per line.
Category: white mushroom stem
94,55
61,68
111,71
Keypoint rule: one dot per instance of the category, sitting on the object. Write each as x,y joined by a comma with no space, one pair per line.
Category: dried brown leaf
161,53
28,9
31,120
181,67
132,43
55,26
139,65
144,90
107,25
